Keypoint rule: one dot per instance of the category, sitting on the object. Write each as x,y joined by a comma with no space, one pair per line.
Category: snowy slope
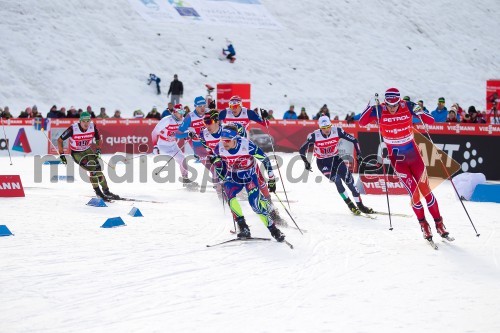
61,272
335,52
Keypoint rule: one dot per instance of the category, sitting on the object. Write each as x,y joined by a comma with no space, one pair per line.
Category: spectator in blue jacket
168,111
290,114
441,112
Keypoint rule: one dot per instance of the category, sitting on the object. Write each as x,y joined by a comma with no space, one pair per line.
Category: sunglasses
234,106
209,121
226,140
325,127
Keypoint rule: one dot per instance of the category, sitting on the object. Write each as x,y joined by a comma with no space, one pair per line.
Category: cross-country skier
191,127
325,141
80,136
210,137
238,114
397,131
234,159
164,141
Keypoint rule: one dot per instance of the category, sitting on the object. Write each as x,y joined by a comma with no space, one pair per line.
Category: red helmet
235,100
392,96
179,108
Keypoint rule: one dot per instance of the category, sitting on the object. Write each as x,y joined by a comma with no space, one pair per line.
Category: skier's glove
418,110
63,159
213,159
192,135
98,152
156,151
271,184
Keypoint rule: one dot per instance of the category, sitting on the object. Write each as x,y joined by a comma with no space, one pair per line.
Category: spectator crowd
441,114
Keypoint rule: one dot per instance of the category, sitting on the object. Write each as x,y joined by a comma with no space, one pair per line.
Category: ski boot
277,219
276,233
441,228
244,229
364,209
110,195
101,195
352,207
426,229
189,184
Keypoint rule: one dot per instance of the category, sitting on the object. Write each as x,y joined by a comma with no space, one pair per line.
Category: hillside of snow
100,53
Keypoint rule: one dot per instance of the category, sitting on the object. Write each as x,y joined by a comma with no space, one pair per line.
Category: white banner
247,13
22,140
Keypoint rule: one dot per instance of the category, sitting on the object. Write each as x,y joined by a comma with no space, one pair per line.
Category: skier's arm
222,115
156,131
252,115
369,115
423,114
64,136
349,137
182,131
97,137
303,149
218,163
204,144
259,154
241,130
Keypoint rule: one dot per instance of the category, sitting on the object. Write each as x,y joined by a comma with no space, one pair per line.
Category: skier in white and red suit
397,131
165,142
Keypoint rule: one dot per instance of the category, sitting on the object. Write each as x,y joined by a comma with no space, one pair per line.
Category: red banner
492,93
375,184
11,186
226,90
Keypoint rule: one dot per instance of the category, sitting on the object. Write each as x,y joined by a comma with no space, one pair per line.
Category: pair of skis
434,246
249,239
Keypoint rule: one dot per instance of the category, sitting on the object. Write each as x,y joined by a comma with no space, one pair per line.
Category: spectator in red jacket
452,116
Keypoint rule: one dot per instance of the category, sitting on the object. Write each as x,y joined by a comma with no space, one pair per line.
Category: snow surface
100,53
61,272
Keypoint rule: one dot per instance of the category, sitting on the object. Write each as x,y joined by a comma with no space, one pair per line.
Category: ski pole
51,143
6,140
163,167
286,210
449,177
377,103
277,164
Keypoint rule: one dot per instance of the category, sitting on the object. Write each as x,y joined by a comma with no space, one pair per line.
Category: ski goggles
208,121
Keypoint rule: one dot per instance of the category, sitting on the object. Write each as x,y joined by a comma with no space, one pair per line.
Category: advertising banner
375,184
492,93
22,138
226,90
11,186
237,13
